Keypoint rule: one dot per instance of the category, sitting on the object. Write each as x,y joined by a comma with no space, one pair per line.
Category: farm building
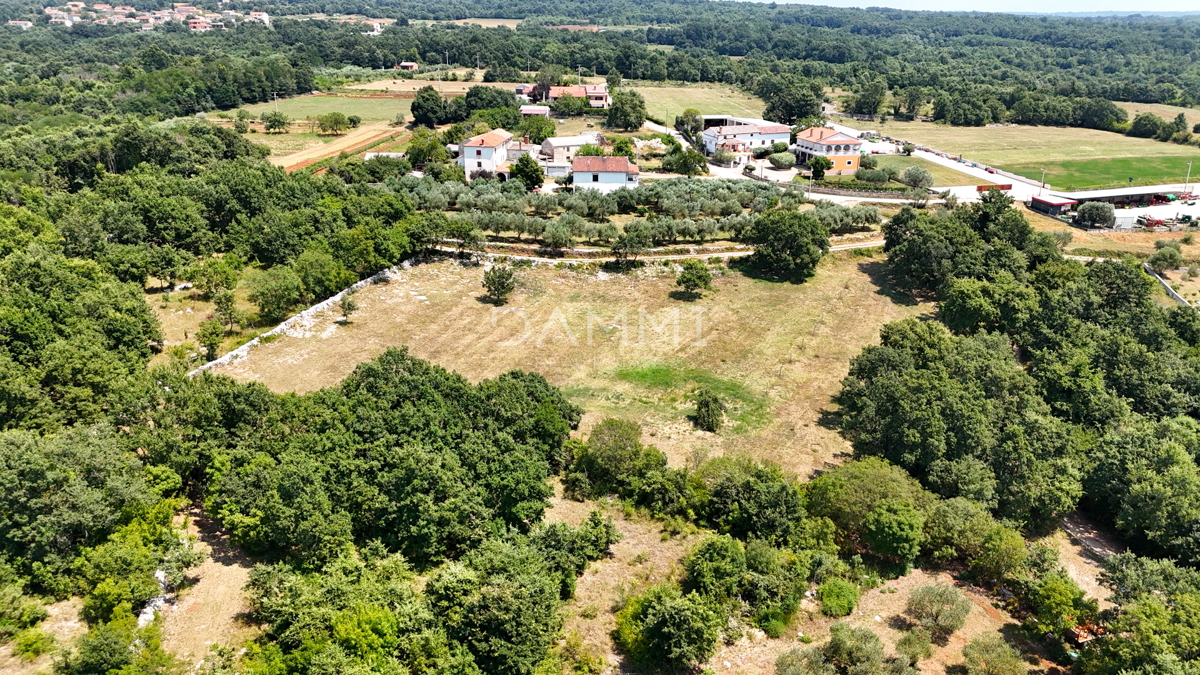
407,65
1052,206
605,174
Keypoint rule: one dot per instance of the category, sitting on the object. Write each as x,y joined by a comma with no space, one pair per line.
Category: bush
916,644
710,411
917,177
663,626
838,597
990,655
868,162
499,282
872,176
939,608
694,276
32,643
894,530
782,160
1166,259
1095,214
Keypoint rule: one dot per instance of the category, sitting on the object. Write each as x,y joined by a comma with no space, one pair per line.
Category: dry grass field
1167,112
776,351
669,101
312,105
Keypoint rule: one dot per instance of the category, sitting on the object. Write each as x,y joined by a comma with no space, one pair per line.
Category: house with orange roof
485,153
596,94
841,149
604,174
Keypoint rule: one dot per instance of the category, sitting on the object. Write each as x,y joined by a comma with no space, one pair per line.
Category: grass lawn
943,176
300,107
282,145
709,99
1073,158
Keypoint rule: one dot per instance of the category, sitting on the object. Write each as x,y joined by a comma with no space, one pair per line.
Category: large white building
485,152
745,136
604,174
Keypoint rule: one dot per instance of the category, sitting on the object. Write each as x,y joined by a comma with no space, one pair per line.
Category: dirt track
355,140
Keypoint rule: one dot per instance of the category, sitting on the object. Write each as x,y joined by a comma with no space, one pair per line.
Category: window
478,153
849,162
595,178
632,178
479,165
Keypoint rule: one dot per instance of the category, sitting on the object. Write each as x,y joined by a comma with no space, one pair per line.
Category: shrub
916,644
916,177
32,643
838,597
694,276
499,282
990,655
908,149
1095,214
894,530
1168,258
872,176
709,410
782,160
868,162
939,608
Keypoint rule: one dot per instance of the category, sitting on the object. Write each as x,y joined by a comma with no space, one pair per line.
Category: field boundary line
308,316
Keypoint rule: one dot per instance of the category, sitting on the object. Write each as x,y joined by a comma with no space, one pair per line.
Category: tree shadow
876,271
685,296
900,622
748,268
486,299
830,419
957,669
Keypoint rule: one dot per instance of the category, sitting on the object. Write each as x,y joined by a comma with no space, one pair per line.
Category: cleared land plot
1189,288
777,352
708,99
446,88
282,145
486,23
310,105
1073,158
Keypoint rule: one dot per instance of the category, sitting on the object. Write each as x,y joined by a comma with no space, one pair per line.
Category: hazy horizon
1017,6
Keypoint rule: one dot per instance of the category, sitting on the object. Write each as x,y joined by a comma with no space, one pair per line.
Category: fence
303,319
1174,295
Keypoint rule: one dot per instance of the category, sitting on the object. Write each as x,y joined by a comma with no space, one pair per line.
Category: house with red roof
485,153
841,149
605,174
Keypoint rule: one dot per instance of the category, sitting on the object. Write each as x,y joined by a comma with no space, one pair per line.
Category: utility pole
1189,177
1042,185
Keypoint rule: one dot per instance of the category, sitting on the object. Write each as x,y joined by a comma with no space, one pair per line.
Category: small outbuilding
535,110
1052,206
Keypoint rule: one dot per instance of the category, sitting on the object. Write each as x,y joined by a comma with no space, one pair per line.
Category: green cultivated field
1073,158
708,99
300,107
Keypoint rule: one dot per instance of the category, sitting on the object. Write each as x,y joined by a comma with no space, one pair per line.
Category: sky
1023,5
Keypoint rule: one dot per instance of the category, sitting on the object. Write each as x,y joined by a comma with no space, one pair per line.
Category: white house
23,25
749,136
596,94
561,149
605,174
485,152
535,110
843,150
